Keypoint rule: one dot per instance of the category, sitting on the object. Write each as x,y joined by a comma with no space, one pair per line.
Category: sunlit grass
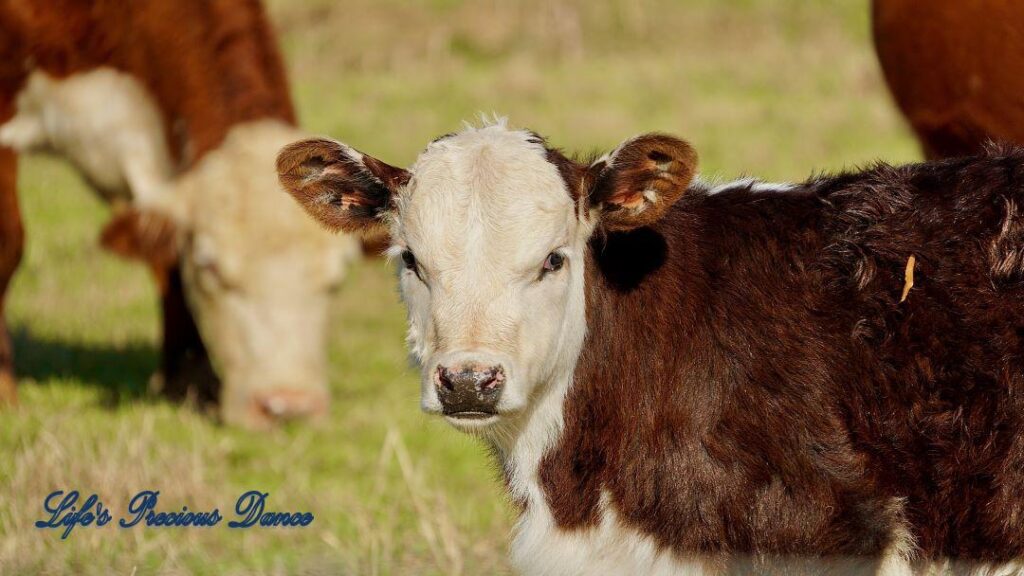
778,89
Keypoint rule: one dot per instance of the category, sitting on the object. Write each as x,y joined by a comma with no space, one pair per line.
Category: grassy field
774,88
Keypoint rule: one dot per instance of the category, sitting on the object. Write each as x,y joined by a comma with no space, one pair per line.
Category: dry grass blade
435,524
908,277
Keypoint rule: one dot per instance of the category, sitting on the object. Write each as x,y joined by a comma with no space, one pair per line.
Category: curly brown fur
752,385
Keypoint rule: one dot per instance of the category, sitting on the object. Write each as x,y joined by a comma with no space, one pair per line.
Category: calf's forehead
491,188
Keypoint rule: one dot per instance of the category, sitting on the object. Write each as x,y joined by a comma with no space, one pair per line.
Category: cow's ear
147,235
340,187
637,183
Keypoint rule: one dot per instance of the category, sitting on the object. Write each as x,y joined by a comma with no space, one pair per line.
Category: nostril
487,382
444,377
492,379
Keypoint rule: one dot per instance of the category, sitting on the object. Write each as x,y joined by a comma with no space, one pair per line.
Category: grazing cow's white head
492,229
256,272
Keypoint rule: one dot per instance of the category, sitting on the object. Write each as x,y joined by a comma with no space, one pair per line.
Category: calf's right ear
636,184
341,188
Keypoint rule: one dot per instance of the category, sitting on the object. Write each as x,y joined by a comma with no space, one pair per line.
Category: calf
677,377
954,68
176,109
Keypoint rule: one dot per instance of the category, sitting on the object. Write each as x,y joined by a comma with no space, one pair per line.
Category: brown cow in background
177,109
956,69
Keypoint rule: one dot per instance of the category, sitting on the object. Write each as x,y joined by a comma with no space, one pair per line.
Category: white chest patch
542,549
103,121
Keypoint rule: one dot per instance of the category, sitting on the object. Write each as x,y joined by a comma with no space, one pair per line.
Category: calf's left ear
341,188
637,183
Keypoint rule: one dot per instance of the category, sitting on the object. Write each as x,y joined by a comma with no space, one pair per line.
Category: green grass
778,89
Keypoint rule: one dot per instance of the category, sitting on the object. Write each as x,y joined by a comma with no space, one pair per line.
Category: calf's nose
469,390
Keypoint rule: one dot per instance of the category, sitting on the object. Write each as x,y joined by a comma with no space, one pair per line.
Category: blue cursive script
142,508
251,507
64,513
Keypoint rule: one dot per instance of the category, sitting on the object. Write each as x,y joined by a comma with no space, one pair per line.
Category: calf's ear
637,183
340,187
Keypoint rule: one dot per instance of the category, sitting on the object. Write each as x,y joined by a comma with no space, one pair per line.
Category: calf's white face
491,230
492,249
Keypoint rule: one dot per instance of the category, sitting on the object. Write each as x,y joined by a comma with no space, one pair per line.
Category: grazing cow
174,110
954,68
680,378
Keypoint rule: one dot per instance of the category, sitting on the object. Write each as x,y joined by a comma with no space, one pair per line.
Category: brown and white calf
177,108
677,378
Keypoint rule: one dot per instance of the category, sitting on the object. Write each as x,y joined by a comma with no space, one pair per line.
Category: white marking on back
104,121
751,184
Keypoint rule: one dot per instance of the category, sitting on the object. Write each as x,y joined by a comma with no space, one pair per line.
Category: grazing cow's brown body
825,377
207,68
955,69
12,239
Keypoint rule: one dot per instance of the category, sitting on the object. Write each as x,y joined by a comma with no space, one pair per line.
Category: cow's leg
12,240
185,370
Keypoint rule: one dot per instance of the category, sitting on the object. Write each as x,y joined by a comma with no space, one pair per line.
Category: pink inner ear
627,199
316,168
642,180
333,169
351,198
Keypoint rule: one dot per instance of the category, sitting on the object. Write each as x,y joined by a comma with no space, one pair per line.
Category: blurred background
779,89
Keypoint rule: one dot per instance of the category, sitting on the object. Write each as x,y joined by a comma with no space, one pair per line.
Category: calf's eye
409,260
553,262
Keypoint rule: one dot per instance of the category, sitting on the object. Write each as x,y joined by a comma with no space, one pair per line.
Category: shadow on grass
121,373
